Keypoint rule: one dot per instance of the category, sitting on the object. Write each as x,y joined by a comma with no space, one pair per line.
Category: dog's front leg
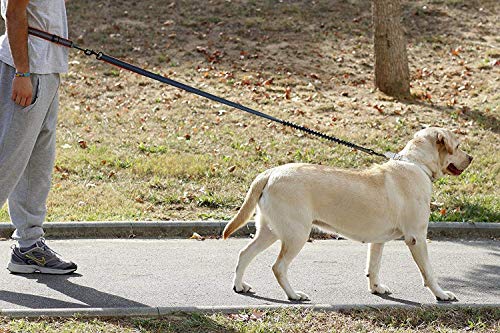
418,248
373,268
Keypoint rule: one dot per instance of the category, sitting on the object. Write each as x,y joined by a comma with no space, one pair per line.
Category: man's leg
19,130
27,202
27,151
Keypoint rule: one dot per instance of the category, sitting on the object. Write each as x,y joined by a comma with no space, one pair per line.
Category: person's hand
22,91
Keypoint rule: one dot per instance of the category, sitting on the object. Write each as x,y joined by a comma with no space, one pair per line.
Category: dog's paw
446,296
243,288
380,289
299,296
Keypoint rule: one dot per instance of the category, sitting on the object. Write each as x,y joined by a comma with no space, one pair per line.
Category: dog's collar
399,157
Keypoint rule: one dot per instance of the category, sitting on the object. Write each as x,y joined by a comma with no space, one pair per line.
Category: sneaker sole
30,269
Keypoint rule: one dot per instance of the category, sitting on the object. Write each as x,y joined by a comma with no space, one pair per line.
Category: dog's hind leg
289,250
418,248
262,240
373,268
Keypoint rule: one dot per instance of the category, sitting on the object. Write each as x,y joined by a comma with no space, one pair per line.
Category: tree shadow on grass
438,19
486,121
183,28
92,298
473,210
183,25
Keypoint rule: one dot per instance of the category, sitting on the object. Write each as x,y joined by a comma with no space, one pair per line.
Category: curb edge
184,229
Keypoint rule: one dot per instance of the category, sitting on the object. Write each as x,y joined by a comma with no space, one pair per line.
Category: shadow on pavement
92,298
397,300
480,278
272,300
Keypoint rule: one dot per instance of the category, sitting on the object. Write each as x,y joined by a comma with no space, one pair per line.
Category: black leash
113,61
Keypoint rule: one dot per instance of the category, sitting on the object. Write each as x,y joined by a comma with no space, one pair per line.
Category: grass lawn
285,320
132,149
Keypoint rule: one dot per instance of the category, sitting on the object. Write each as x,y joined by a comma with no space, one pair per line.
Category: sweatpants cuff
28,237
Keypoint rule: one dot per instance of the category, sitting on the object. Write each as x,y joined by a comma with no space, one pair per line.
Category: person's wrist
22,74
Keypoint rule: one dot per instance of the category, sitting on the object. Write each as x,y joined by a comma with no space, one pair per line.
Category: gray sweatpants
27,152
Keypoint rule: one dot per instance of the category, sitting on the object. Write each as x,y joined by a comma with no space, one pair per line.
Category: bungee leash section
119,63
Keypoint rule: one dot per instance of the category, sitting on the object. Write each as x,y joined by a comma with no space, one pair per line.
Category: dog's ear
443,140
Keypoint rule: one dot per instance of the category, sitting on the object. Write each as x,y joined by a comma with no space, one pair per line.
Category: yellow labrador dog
377,205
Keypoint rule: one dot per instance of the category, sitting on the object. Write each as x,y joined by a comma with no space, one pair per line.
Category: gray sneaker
41,259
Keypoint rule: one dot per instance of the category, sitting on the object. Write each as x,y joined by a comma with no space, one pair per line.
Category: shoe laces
45,247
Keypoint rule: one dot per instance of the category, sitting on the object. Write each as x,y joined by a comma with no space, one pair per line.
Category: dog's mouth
454,170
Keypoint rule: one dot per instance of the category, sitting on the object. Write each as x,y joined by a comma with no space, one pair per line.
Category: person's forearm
17,31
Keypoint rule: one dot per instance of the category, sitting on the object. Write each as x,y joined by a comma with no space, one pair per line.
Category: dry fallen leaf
268,82
83,144
257,315
378,108
197,236
456,51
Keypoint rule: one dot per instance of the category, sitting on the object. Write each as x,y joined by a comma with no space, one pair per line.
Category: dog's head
439,150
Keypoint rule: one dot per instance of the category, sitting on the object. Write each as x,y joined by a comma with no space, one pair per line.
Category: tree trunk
392,75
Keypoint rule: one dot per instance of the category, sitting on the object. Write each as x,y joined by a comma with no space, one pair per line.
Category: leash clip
393,156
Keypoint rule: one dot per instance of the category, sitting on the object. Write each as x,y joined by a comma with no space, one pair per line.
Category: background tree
392,75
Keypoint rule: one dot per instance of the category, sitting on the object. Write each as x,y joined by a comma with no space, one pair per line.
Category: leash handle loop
50,37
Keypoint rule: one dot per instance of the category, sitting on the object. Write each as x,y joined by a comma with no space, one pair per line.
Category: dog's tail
248,207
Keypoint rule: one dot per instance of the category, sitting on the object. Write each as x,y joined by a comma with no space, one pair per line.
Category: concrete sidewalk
151,277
